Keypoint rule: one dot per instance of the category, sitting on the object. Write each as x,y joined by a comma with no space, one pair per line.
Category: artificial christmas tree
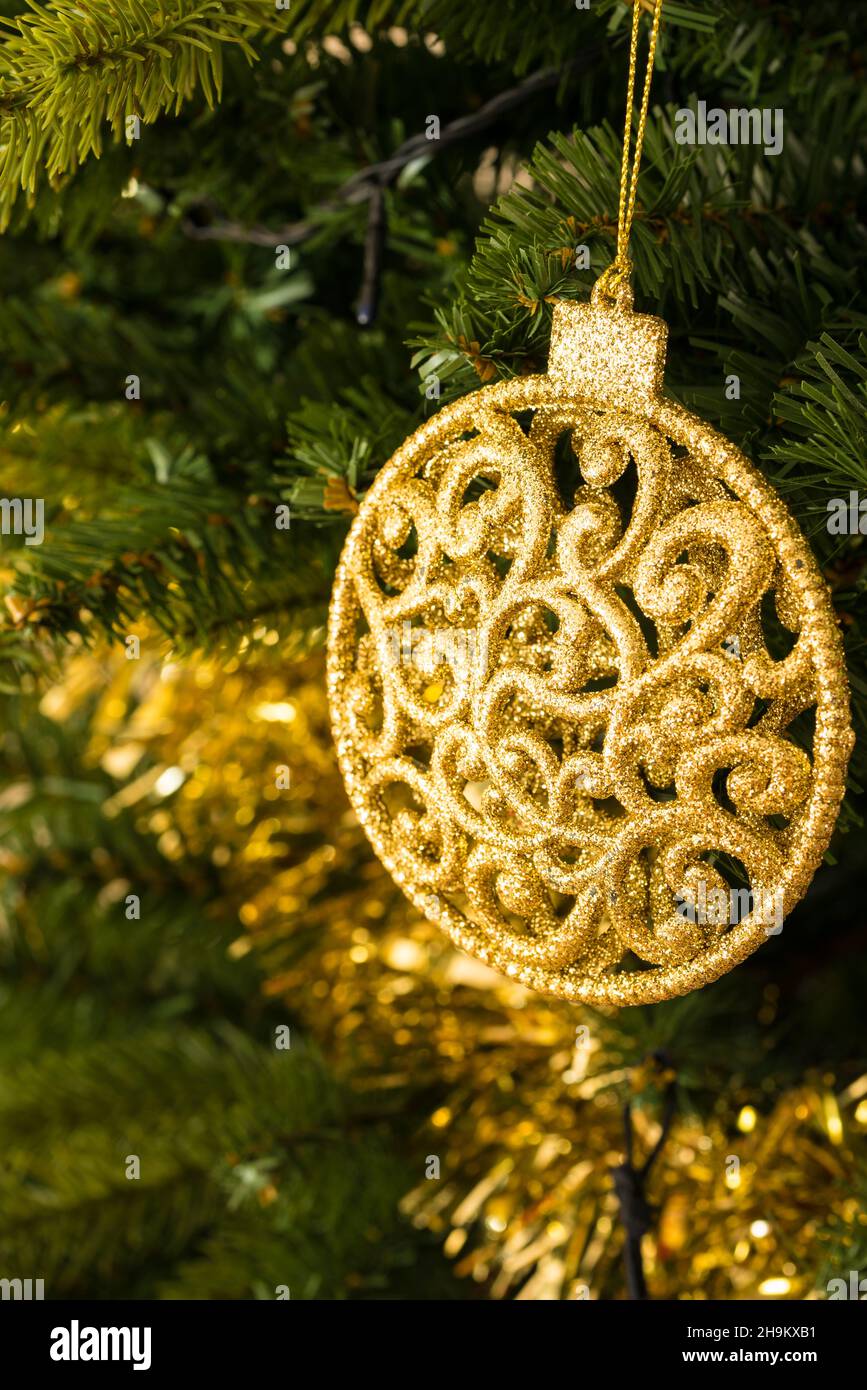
247,251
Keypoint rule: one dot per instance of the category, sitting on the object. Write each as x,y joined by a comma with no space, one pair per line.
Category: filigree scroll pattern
558,714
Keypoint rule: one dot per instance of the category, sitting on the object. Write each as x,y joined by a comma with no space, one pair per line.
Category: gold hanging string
618,273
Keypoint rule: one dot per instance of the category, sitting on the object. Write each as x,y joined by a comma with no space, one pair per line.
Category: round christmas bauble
586,683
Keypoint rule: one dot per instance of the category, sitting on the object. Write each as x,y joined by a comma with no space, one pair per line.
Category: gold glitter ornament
556,709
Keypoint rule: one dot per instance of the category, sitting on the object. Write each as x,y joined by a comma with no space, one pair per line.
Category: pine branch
701,219
345,445
193,1106
185,553
825,416
820,464
65,72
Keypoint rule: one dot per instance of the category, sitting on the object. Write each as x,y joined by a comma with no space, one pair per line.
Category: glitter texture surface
554,704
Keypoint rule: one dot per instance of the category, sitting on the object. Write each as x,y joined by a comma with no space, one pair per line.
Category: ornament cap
602,351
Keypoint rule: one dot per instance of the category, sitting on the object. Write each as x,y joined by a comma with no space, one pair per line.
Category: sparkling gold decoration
739,1217
555,707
